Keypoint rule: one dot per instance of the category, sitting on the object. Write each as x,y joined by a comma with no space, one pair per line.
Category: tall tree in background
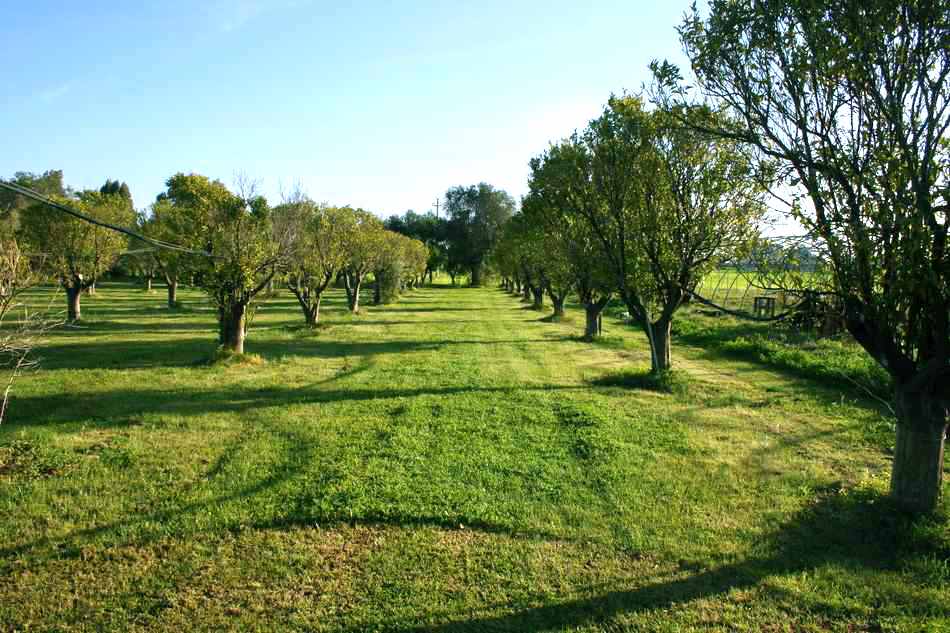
116,188
49,183
852,99
73,252
428,229
476,214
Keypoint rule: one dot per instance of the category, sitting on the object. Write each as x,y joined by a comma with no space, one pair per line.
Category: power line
38,197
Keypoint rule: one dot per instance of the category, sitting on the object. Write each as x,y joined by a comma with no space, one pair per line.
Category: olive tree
316,253
560,190
523,238
363,235
168,222
672,205
72,251
245,248
852,99
476,214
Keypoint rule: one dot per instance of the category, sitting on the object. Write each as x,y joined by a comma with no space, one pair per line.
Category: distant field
737,290
451,463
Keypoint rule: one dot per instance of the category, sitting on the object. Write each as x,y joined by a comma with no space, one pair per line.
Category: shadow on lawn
854,530
303,491
195,351
851,530
124,408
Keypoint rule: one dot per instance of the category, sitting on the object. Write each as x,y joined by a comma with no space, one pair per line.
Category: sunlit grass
450,463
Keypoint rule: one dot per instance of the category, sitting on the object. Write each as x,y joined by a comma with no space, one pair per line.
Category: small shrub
226,358
670,381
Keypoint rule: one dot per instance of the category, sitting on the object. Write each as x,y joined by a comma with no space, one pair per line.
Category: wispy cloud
53,93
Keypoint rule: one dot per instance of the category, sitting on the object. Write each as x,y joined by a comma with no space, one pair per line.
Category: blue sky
382,105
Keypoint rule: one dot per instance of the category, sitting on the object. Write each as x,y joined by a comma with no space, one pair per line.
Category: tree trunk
91,289
377,292
660,346
73,310
917,474
233,327
592,314
526,293
558,303
353,293
476,276
172,287
148,284
313,318
538,302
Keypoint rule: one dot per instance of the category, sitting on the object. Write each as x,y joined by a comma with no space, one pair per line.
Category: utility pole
437,202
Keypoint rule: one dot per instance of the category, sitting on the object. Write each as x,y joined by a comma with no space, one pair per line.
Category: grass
448,463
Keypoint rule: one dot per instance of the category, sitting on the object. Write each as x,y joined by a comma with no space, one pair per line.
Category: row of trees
637,206
460,244
843,108
233,245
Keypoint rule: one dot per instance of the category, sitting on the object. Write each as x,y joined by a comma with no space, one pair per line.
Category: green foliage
429,229
476,215
560,194
852,101
73,252
238,233
170,222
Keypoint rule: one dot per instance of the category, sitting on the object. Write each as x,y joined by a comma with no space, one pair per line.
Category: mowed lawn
448,463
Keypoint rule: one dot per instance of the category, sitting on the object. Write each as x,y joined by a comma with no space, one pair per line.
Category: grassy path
448,463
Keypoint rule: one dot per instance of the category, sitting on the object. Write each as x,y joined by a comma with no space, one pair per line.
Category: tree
852,100
362,239
317,251
526,239
169,222
428,229
49,183
245,249
139,261
115,188
674,204
560,190
75,252
400,264
476,213
17,343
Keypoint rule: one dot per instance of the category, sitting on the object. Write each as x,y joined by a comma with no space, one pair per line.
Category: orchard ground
453,462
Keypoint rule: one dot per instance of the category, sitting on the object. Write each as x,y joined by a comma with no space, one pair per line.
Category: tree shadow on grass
125,407
195,351
303,492
852,531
